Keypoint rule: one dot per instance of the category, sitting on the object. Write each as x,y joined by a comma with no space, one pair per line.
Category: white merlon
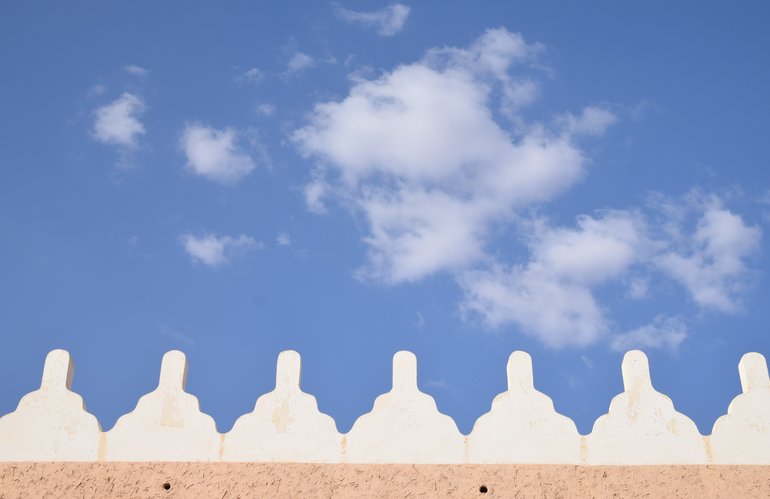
742,436
642,426
285,425
522,426
167,424
51,424
404,426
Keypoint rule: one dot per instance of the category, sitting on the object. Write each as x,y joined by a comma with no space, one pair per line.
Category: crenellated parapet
641,427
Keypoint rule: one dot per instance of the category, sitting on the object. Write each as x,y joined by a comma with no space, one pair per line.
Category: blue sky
352,179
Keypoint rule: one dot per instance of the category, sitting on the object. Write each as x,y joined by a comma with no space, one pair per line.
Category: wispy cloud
299,61
662,332
265,109
135,70
215,153
214,251
251,76
117,123
283,239
593,120
176,335
387,21
440,384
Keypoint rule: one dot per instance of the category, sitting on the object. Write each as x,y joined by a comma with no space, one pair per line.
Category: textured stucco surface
227,480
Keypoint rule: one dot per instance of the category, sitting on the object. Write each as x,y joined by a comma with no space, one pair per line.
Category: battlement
641,427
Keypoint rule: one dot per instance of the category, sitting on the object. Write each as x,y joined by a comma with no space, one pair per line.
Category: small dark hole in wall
167,486
483,489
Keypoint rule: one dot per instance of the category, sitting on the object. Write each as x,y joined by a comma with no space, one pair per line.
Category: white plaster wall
404,426
642,426
742,436
51,424
167,424
522,426
285,425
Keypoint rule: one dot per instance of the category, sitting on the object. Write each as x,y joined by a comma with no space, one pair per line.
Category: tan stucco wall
228,480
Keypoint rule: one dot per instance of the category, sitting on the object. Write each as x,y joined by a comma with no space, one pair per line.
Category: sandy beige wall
228,480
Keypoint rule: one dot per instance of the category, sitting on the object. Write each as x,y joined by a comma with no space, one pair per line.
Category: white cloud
118,122
265,109
387,21
215,154
418,152
638,288
315,191
135,70
592,120
710,261
662,332
96,90
252,75
299,61
283,239
214,251
551,297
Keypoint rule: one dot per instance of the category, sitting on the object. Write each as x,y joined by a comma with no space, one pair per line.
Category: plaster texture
742,436
360,481
404,426
642,426
522,426
285,425
167,424
51,424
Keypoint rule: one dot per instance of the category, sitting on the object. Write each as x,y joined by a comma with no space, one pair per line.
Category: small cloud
638,289
588,362
214,251
440,384
662,332
252,76
419,321
315,191
118,122
96,91
135,70
592,120
175,335
283,239
387,21
299,62
215,154
265,109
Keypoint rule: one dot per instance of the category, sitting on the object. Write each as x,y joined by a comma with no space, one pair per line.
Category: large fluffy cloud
438,155
420,153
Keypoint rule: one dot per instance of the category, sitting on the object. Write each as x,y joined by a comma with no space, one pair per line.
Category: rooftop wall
642,426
